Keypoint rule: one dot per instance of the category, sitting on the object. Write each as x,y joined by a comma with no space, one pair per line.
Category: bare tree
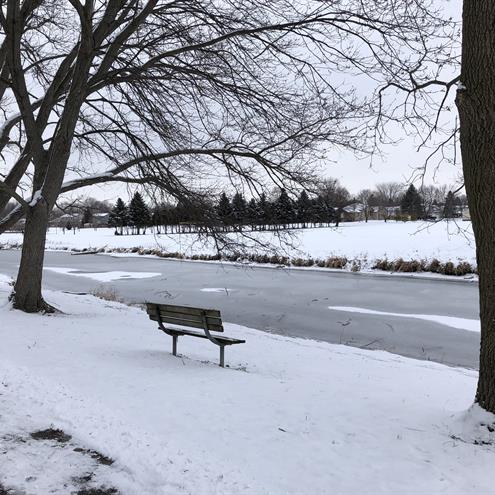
389,193
475,102
365,197
426,110
334,196
432,196
180,94
387,197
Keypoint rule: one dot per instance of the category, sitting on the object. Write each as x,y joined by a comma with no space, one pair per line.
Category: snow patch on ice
450,321
216,289
102,276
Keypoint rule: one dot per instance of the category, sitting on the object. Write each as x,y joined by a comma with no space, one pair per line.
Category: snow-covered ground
446,241
288,417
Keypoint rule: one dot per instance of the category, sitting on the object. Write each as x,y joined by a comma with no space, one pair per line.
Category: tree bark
27,291
476,104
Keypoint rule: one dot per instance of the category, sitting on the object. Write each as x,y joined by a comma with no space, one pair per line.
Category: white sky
397,163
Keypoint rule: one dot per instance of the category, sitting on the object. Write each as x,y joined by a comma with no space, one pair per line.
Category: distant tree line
329,203
326,205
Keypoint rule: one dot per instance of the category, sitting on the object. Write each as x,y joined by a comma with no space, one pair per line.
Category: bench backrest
185,316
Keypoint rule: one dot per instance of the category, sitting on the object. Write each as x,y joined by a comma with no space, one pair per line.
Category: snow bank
289,416
445,241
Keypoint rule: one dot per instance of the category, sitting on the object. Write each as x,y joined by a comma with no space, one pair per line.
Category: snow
290,416
36,198
8,121
450,321
87,178
215,289
102,276
446,241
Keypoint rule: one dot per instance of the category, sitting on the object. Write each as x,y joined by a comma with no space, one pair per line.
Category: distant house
100,219
66,220
383,212
435,212
465,214
354,212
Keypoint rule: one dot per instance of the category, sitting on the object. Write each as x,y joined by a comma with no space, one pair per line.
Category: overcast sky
397,164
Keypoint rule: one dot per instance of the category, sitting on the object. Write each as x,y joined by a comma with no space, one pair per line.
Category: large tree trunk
27,292
476,105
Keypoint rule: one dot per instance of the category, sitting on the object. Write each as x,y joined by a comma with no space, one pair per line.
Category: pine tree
252,212
139,214
119,216
449,208
322,211
412,203
224,209
265,210
238,208
284,209
303,207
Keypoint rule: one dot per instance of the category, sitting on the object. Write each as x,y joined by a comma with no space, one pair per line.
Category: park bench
209,320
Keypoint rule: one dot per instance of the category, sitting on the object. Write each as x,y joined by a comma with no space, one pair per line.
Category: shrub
408,266
338,262
383,264
356,266
107,294
449,268
464,268
435,266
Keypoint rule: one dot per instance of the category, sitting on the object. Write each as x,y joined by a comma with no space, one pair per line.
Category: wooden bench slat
187,323
185,316
179,332
185,310
211,320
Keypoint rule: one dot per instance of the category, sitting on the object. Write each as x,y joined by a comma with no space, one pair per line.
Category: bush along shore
399,265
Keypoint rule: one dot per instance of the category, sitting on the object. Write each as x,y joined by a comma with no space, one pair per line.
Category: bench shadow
155,358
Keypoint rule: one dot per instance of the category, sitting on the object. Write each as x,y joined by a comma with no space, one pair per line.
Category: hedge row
336,262
460,268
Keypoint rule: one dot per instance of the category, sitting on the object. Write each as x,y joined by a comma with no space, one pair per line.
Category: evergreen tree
303,207
449,207
118,216
284,209
322,211
264,210
139,214
224,209
238,208
87,216
412,203
252,212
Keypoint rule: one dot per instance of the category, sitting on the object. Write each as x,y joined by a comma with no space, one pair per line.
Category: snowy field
288,417
446,241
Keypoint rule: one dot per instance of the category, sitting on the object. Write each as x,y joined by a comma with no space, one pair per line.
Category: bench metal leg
222,356
174,344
